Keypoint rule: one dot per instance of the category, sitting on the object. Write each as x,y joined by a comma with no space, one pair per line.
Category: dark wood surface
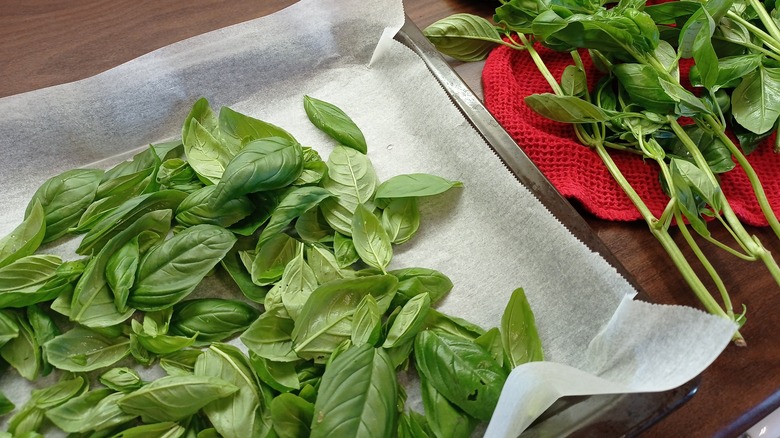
48,42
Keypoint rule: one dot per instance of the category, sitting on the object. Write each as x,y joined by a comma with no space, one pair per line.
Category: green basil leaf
238,129
416,281
311,227
202,112
268,265
414,185
409,321
573,81
180,363
158,343
207,156
22,282
755,102
25,238
64,198
294,203
644,87
173,398
6,406
128,185
120,271
443,358
270,336
465,37
336,123
92,303
453,325
566,109
125,215
176,172
241,277
170,271
367,322
44,329
371,240
353,181
8,327
280,376
291,416
413,425
324,264
239,414
167,429
518,331
715,152
344,250
31,416
82,350
197,209
121,379
92,411
401,219
699,181
23,351
326,318
444,418
492,343
297,283
262,165
357,395
212,319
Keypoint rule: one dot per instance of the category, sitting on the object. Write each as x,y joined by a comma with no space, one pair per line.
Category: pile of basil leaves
640,104
305,244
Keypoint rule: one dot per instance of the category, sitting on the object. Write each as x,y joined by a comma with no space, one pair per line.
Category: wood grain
49,42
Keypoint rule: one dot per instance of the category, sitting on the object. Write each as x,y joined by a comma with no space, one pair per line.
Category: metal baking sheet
609,415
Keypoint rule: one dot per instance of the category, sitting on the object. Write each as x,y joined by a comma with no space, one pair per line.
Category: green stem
705,263
540,65
751,46
758,32
758,189
766,19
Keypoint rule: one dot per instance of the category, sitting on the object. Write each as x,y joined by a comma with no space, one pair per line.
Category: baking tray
607,415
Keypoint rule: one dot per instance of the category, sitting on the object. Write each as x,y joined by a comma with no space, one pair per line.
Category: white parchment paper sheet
490,237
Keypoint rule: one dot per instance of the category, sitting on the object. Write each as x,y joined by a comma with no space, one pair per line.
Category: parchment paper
489,237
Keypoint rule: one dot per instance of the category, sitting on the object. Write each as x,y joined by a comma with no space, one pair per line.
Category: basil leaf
334,122
167,429
291,416
518,331
401,219
121,379
270,336
44,329
238,129
644,87
326,318
93,304
82,350
443,358
6,406
120,271
173,398
158,343
453,325
23,351
294,203
202,112
170,271
353,181
409,321
22,282
492,342
297,283
371,240
25,238
416,281
64,198
324,265
212,319
8,327
357,395
280,376
197,209
566,109
180,363
268,265
241,277
265,164
344,249
414,185
92,411
367,322
207,156
32,415
125,215
311,227
465,37
444,418
241,413
755,102
413,425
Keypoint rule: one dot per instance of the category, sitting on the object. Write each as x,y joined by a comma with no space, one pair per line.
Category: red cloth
575,170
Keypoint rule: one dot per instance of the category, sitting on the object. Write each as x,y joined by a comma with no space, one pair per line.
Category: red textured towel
575,170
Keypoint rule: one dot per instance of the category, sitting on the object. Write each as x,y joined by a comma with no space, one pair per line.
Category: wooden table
48,42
